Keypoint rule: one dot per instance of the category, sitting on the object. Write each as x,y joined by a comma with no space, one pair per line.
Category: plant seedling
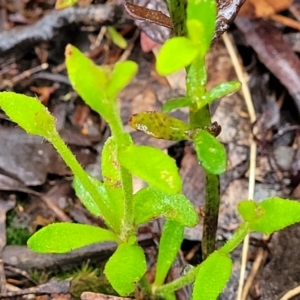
113,199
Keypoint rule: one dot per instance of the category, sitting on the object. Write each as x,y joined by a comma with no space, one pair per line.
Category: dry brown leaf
263,8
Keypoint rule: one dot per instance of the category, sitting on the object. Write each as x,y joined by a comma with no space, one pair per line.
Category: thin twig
253,149
255,267
286,21
291,293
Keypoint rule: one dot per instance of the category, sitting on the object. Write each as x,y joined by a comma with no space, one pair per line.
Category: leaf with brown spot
160,125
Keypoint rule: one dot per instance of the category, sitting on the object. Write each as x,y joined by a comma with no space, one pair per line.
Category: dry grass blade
249,103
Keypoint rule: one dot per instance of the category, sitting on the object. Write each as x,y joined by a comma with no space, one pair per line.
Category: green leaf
116,37
121,75
112,180
169,246
106,204
90,81
219,91
176,53
271,214
210,152
205,13
125,268
212,277
153,166
29,113
247,210
195,30
61,4
176,103
160,125
86,198
65,237
151,203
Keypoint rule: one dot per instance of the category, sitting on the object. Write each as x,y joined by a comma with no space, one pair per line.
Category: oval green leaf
195,31
29,113
125,268
176,53
65,237
248,210
85,197
271,214
176,103
150,203
90,82
121,75
212,277
104,206
116,37
153,166
205,13
169,246
219,91
210,152
160,125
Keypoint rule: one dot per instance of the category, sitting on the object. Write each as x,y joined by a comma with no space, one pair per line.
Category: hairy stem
123,140
196,81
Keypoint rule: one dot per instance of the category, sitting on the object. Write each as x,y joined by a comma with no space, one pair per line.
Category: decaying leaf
263,8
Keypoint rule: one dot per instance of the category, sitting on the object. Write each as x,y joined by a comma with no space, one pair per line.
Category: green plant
113,199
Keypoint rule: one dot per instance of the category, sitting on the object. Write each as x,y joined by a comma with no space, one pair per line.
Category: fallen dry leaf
263,8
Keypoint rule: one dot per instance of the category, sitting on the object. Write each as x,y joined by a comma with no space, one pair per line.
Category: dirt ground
36,185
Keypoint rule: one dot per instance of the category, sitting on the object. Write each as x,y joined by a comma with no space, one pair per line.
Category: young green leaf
106,210
210,152
271,214
248,210
176,53
160,125
121,75
205,13
212,277
65,237
125,268
169,246
29,113
92,86
86,198
195,31
116,37
176,103
219,91
153,166
151,203
111,173
61,4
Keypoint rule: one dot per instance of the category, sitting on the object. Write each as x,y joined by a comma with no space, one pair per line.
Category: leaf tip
69,50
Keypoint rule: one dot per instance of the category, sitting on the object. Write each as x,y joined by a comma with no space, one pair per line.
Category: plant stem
145,285
77,170
175,285
211,214
196,81
178,15
237,238
123,140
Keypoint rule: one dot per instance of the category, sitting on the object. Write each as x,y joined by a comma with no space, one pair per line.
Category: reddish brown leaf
146,14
